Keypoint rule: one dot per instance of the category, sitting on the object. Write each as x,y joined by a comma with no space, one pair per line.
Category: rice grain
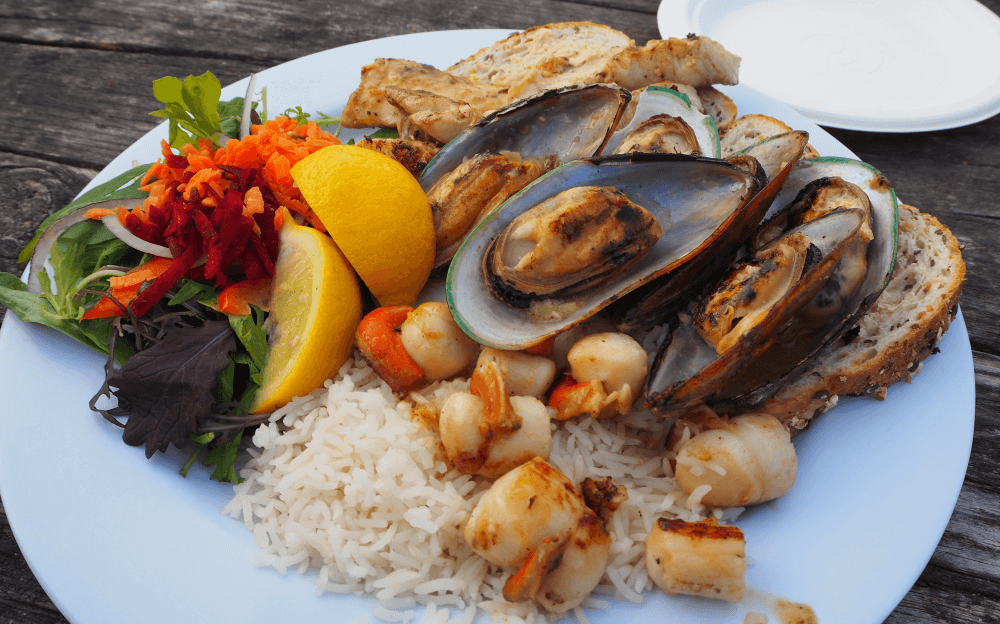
354,483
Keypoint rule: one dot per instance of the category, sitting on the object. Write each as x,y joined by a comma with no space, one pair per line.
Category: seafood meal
625,278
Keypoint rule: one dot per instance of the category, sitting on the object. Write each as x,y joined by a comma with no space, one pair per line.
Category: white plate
881,66
114,538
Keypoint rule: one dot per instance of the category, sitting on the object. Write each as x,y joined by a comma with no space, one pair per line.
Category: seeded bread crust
543,57
895,335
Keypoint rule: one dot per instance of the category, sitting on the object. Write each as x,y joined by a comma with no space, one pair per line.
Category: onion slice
247,107
126,236
59,227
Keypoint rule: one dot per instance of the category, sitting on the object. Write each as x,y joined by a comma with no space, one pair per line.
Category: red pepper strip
105,307
145,272
561,389
235,300
125,287
156,291
381,346
98,213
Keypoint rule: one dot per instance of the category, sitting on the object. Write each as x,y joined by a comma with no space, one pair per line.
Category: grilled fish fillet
369,105
696,61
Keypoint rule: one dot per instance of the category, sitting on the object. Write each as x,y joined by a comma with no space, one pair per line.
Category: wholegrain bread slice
569,53
544,57
895,335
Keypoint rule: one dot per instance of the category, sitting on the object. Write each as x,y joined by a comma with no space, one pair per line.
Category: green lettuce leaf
190,106
124,186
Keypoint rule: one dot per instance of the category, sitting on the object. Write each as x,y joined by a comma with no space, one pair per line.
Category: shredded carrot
98,213
125,288
146,271
222,203
122,213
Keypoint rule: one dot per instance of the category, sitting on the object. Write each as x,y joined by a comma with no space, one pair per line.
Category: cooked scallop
745,460
697,558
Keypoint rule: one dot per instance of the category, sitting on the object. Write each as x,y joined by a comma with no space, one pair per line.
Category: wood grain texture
77,79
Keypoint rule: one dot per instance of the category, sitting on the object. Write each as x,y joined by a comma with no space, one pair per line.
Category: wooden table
76,91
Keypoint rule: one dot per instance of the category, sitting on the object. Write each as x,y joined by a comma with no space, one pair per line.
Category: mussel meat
663,134
663,121
569,243
463,197
698,203
481,167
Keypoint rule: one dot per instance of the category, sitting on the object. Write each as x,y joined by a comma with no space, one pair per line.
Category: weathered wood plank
962,580
92,104
984,462
281,32
32,189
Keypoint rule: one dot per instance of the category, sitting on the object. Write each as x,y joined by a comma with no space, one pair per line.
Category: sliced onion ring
58,227
111,222
126,236
247,107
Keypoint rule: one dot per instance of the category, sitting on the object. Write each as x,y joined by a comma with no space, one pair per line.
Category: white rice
352,483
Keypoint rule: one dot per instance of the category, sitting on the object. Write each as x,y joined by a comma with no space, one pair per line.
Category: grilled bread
895,335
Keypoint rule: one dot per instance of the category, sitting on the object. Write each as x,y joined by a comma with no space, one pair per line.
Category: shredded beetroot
221,204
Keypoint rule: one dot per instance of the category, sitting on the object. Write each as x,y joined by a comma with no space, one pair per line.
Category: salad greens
78,255
184,374
193,109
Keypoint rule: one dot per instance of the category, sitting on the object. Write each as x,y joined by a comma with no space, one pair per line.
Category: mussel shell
654,303
687,372
562,124
731,385
661,100
696,201
885,218
778,153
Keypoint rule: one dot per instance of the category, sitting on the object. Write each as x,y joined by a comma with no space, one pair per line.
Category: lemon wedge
378,214
315,308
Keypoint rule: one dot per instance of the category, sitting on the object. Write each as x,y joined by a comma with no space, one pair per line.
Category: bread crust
896,335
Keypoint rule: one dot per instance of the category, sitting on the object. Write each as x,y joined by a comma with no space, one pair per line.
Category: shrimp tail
524,584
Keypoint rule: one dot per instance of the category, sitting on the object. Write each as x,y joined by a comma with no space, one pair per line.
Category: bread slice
895,335
720,106
544,57
569,53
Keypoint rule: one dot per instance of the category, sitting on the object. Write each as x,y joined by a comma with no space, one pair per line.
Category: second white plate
875,65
